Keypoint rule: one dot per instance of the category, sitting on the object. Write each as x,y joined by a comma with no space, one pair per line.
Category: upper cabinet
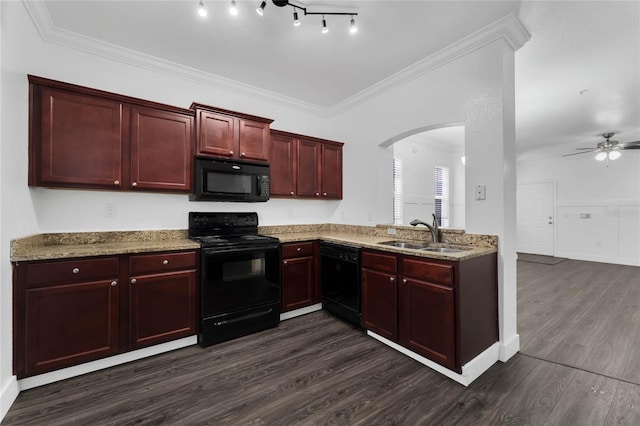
86,138
305,167
229,134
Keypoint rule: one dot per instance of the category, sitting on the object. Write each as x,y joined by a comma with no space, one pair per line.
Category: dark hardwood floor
315,370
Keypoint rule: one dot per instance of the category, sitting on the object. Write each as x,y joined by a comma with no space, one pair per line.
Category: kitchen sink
442,249
405,244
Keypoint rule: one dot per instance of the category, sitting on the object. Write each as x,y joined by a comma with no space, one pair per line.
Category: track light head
325,29
233,9
202,11
353,28
296,21
260,9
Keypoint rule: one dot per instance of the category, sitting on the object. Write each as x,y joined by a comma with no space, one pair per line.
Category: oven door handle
253,249
244,317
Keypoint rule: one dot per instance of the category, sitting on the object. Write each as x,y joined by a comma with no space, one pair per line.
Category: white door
535,218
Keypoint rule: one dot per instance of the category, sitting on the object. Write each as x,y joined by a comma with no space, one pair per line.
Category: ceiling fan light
353,28
260,9
614,155
601,156
325,29
233,10
202,11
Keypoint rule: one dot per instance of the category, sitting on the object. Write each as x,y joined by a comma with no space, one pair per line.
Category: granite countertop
473,245
87,244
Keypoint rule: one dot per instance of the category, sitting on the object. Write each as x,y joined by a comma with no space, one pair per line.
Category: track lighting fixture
201,9
233,9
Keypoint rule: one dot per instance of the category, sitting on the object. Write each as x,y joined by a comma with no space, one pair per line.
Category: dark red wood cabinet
299,284
86,138
67,312
446,311
305,167
231,134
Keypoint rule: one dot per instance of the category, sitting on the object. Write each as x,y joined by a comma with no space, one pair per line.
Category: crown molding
507,28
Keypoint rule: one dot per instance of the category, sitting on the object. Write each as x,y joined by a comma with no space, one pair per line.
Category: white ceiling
574,46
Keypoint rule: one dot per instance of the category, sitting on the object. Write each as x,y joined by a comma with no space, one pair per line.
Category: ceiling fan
607,150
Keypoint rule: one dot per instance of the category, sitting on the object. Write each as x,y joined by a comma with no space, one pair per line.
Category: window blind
441,194
397,191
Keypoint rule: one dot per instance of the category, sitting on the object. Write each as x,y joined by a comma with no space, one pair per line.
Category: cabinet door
163,307
161,150
380,303
70,324
253,140
282,166
80,141
216,134
297,283
427,320
331,171
308,163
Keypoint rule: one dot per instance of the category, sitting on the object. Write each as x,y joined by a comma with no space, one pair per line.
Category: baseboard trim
470,371
301,311
509,348
89,367
8,396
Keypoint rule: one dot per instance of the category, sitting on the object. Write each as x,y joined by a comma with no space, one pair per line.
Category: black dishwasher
340,280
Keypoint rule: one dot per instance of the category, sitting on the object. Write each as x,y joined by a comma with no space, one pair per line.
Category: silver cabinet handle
134,184
133,281
75,270
114,283
165,262
116,182
404,281
392,279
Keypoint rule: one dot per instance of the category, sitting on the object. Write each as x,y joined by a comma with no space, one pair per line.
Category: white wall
610,196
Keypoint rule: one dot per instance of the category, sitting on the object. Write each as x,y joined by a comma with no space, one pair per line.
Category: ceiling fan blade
630,145
577,153
584,148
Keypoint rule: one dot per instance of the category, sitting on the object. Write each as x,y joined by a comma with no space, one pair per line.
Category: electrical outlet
110,210
391,231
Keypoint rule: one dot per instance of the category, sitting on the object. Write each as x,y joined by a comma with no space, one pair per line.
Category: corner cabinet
230,134
86,138
71,311
305,167
446,311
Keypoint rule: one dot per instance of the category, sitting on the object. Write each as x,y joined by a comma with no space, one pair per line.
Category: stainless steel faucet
435,236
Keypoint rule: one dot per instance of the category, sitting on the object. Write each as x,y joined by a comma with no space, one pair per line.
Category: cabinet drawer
427,271
380,262
297,249
158,262
69,271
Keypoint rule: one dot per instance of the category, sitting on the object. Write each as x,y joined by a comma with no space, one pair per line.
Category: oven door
238,279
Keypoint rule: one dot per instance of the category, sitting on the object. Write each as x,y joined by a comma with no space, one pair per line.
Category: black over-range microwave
226,180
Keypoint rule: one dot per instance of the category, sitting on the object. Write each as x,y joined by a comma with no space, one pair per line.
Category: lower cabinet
299,283
446,311
67,312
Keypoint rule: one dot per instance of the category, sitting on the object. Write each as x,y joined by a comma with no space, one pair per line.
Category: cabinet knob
285,262
317,194
291,193
392,279
242,154
404,281
299,249
165,262
116,182
230,152
134,184
133,281
325,194
75,270
114,283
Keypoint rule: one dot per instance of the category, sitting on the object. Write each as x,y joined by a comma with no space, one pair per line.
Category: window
397,191
441,194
